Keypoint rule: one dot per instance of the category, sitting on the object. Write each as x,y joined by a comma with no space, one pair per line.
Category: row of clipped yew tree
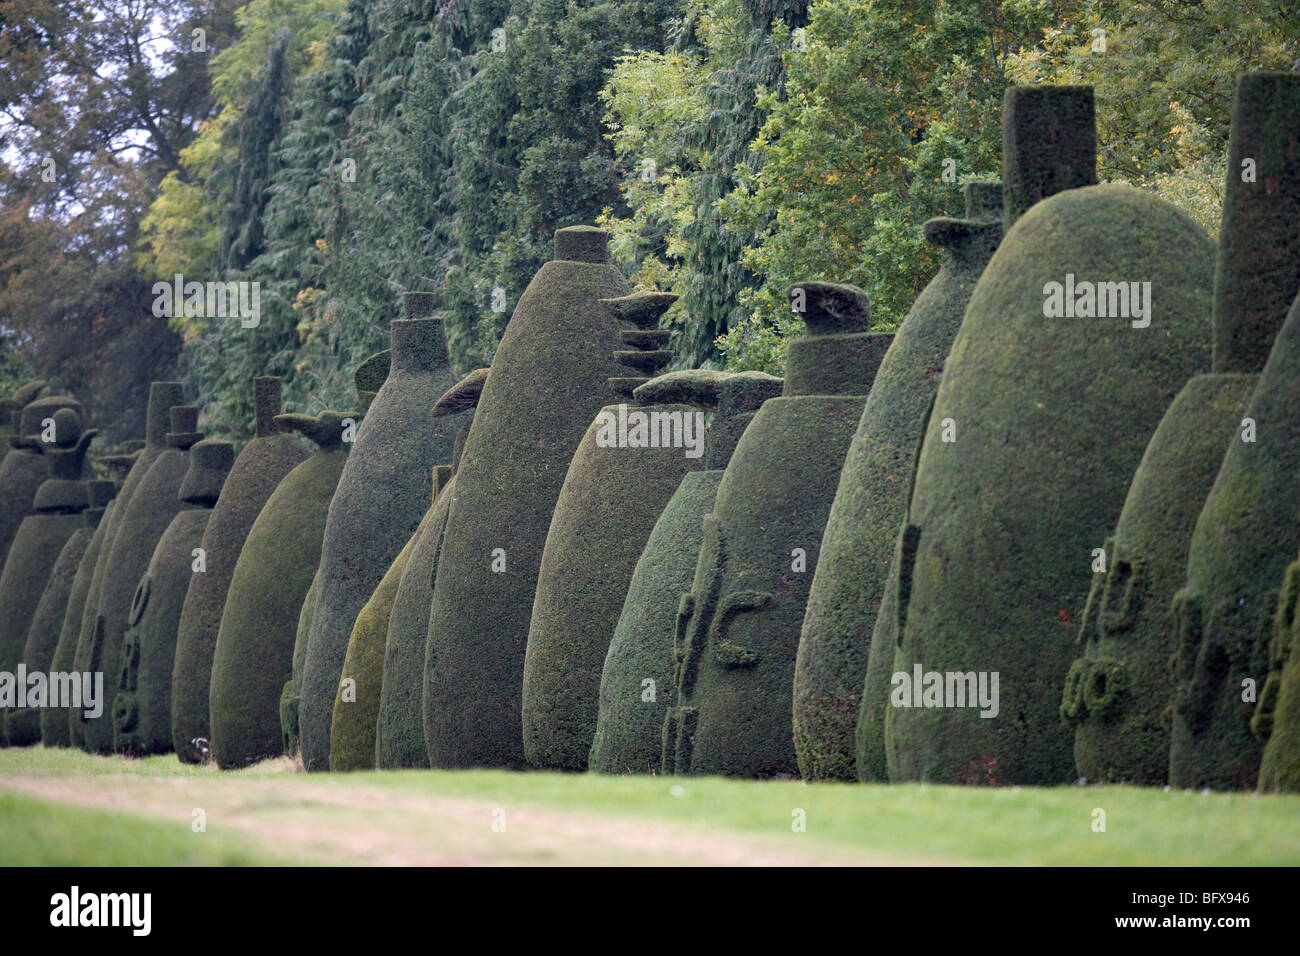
1097,512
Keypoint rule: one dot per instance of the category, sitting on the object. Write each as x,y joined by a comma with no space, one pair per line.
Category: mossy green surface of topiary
162,397
383,493
739,633
629,724
1277,722
548,381
254,655
356,704
25,468
54,721
1050,418
607,508
22,728
290,696
142,707
1128,632
630,720
1129,625
858,546
1244,538
258,470
399,730
155,501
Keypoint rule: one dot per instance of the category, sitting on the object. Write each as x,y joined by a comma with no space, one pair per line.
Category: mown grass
903,824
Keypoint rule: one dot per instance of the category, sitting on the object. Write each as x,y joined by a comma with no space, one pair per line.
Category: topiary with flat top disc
636,681
850,580
382,494
738,628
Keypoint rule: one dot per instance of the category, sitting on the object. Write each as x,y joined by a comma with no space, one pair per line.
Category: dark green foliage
142,707
548,381
1277,722
257,471
384,492
1128,627
290,696
55,729
609,502
1050,418
714,272
629,725
1254,285
162,396
356,705
1242,544
1049,144
253,656
145,516
738,628
856,551
399,730
22,728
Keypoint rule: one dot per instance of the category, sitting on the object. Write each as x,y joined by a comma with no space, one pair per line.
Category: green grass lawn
70,807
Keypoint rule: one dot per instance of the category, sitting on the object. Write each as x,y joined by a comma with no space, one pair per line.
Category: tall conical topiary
1119,692
253,658
850,580
155,501
629,724
23,727
55,517
737,643
625,469
399,727
162,396
548,380
55,721
257,471
1039,423
142,708
382,495
1277,720
356,703
399,732
291,696
1239,553
24,467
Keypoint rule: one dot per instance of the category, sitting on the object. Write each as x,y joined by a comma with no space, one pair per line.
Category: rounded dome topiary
549,378
162,397
1037,428
738,627
253,656
155,501
1129,618
142,708
257,472
636,681
850,580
